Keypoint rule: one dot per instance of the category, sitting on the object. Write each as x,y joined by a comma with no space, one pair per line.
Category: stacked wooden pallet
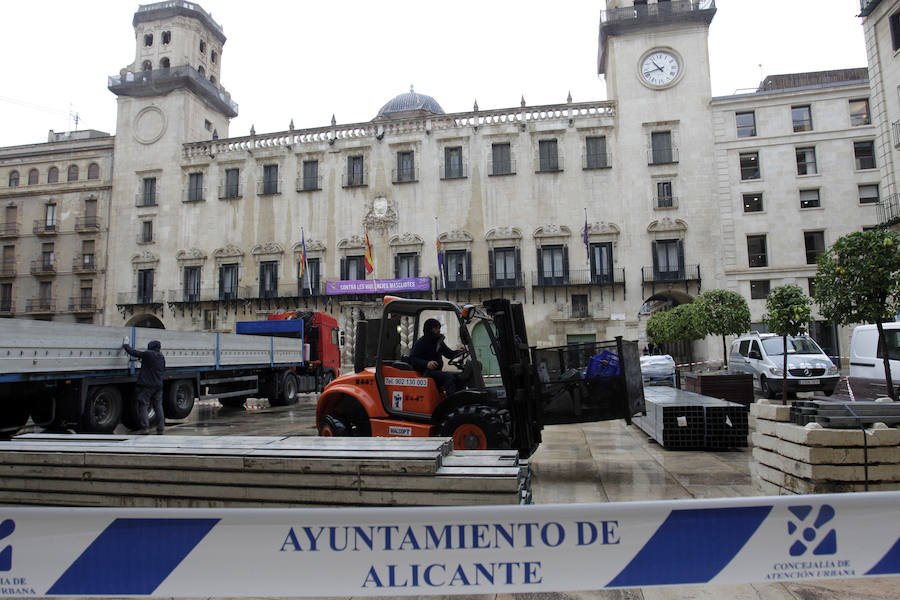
811,459
233,471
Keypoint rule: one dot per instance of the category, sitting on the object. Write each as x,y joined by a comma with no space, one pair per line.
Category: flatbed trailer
75,376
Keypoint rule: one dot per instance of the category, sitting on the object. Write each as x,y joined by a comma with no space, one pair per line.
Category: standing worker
149,386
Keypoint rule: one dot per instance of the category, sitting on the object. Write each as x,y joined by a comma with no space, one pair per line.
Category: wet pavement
595,462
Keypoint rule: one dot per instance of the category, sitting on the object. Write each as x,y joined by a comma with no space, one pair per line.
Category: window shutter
540,268
681,257
221,281
343,269
491,270
518,266
416,265
655,260
469,268
396,266
565,273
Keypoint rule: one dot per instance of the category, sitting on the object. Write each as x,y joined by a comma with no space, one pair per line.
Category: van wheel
334,426
477,427
767,390
179,399
102,410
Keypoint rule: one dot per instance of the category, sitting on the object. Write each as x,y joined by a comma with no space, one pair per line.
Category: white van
762,356
866,362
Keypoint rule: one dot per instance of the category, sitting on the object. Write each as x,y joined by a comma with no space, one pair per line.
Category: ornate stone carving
503,233
191,254
312,247
381,214
603,227
270,248
354,242
145,257
457,235
400,242
228,251
667,224
551,231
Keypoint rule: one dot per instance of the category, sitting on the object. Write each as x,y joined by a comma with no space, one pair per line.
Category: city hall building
593,214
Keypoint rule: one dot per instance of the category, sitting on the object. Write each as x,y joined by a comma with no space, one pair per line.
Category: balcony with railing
40,305
193,194
8,267
142,200
548,164
87,224
138,298
596,160
502,167
9,230
664,202
662,156
459,171
45,227
231,191
83,304
159,82
410,175
306,183
867,6
268,187
355,178
660,12
889,210
685,274
84,263
43,266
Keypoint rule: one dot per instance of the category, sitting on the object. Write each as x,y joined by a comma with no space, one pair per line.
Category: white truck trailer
65,375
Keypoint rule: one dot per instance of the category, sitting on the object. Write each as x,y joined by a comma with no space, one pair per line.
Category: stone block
816,435
827,455
762,409
827,473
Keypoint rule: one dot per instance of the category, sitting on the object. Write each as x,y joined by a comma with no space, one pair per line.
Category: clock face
660,68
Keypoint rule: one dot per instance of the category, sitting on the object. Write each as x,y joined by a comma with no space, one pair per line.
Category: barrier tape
459,550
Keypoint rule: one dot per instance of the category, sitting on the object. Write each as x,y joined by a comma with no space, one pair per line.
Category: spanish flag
370,265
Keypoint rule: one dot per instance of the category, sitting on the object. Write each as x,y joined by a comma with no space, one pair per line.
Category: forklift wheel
334,426
477,427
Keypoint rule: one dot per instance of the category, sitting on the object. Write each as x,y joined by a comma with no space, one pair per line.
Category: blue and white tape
460,550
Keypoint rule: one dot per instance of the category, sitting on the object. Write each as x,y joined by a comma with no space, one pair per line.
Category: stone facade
205,229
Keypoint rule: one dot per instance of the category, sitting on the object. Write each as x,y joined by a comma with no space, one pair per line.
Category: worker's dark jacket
427,348
153,365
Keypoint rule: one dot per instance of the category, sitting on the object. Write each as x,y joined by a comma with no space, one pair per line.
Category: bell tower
170,94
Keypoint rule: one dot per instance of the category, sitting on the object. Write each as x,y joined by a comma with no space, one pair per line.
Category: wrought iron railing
665,202
40,305
8,267
683,273
502,167
83,304
45,227
578,277
139,298
405,175
596,160
659,9
889,210
9,229
309,184
662,156
43,266
91,223
355,178
230,191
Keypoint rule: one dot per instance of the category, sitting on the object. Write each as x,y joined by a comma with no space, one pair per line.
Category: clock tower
655,59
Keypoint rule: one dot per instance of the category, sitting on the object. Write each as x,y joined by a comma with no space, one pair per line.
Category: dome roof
409,104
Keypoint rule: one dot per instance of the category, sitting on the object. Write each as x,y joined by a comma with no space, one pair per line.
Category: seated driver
426,356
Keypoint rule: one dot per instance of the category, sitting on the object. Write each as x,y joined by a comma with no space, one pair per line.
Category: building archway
145,320
681,352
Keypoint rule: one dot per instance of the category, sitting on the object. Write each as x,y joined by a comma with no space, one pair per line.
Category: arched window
148,39
147,66
73,173
212,79
14,179
53,175
164,63
32,177
201,70
166,37
94,171
213,56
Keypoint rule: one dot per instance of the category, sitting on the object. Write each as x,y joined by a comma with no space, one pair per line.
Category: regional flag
370,265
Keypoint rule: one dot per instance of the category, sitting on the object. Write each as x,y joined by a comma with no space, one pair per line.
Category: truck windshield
795,345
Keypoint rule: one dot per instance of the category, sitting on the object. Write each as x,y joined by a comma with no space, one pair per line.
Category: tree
858,281
676,325
722,312
788,311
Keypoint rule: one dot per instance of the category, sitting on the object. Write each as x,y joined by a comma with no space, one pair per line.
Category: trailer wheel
325,379
334,426
13,415
178,400
477,427
102,410
290,390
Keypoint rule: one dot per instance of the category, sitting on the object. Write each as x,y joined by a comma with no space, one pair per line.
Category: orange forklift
385,396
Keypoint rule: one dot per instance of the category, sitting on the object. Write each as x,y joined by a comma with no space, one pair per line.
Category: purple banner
378,286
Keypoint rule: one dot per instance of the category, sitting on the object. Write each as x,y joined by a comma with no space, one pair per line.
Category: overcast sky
306,60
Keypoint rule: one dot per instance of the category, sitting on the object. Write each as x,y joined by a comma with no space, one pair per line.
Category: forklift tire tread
477,427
